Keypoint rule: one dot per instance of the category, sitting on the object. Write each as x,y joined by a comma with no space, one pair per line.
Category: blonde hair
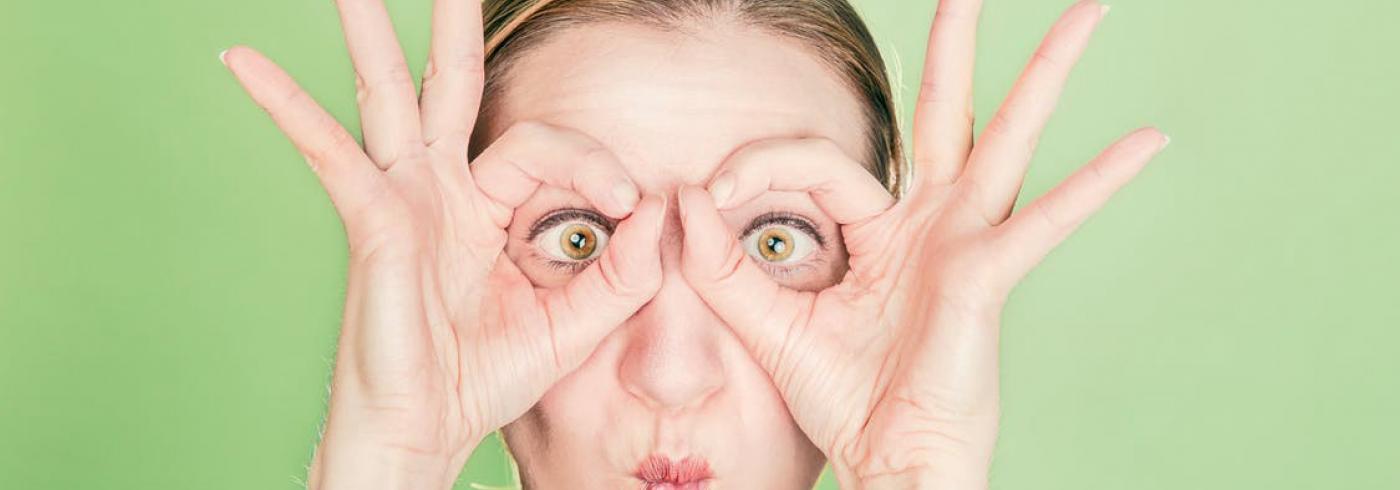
831,29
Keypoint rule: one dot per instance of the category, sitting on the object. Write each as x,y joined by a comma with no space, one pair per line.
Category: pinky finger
1033,232
346,173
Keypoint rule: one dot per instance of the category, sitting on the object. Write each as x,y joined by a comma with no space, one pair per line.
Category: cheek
588,422
771,448
578,430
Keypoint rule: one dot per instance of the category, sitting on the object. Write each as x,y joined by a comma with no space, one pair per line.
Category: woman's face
672,391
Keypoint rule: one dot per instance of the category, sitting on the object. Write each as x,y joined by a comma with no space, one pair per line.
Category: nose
672,359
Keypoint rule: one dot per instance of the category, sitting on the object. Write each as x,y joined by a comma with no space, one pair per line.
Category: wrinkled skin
444,339
673,379
893,372
881,359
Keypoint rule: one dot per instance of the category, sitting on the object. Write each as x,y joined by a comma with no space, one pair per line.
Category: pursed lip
663,473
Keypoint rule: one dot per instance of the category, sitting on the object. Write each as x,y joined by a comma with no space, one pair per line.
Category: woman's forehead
673,105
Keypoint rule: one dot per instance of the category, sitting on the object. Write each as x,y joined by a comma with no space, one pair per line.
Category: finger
384,85
1037,229
611,289
714,263
454,75
944,113
347,175
531,154
842,187
998,162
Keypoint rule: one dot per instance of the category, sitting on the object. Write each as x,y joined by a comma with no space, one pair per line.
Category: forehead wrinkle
673,106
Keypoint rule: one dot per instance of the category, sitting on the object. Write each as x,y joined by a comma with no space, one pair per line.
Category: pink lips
661,473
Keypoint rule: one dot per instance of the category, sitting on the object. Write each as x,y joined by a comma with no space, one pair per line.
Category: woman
658,243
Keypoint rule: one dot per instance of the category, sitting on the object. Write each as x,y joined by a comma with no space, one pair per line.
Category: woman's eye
779,244
577,240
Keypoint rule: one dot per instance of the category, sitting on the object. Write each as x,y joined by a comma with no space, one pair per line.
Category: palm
436,241
893,371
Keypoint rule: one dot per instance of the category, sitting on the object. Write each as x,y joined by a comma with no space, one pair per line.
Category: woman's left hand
893,371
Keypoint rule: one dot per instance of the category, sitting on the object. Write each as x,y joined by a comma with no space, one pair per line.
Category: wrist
916,478
910,468
364,455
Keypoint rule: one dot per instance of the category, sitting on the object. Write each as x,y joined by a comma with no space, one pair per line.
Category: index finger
842,187
531,154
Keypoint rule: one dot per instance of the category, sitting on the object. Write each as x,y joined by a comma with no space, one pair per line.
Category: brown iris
578,241
775,244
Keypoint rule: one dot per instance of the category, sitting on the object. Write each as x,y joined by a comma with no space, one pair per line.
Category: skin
673,379
674,339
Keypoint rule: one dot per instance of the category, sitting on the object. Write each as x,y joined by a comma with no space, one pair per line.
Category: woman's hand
444,340
893,372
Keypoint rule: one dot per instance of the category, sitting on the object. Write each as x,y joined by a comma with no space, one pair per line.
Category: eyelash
560,216
796,222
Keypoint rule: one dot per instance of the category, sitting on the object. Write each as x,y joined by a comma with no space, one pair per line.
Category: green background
171,275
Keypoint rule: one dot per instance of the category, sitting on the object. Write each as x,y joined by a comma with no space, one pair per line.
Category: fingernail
722,188
1103,10
626,196
680,203
222,55
665,208
1166,140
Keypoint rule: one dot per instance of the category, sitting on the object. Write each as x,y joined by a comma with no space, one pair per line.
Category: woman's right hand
444,340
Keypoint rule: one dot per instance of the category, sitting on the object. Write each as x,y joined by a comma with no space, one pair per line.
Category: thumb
759,311
610,290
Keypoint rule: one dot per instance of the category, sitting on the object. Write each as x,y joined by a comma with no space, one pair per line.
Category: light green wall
171,275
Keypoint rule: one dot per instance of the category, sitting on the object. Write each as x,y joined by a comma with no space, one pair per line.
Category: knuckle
1000,125
598,158
289,96
463,60
1003,125
731,266
931,91
332,140
935,96
1097,172
398,75
614,278
1043,57
1048,217
452,66
394,79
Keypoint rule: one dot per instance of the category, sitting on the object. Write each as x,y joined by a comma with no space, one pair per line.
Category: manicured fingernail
1103,10
1166,140
626,196
722,188
222,55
